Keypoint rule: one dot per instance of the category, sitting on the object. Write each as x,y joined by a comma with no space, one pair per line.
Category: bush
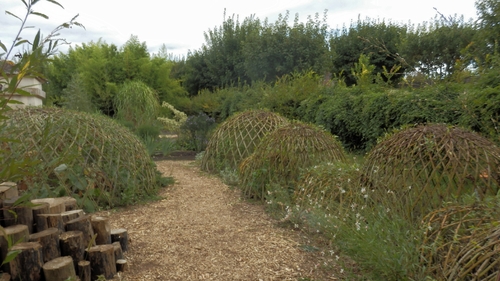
195,130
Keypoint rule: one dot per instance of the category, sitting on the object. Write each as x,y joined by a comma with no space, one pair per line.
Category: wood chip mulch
203,230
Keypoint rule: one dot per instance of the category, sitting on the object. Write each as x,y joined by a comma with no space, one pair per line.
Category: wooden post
120,235
71,215
82,224
69,203
53,221
102,228
55,206
84,270
102,261
49,239
121,265
23,214
16,233
27,265
118,250
71,243
40,223
59,269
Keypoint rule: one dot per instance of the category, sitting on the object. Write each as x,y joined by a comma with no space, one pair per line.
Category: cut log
53,221
102,228
102,261
40,223
21,215
27,265
84,270
7,190
57,206
59,269
118,250
121,265
71,215
120,235
17,234
83,224
71,243
69,203
49,239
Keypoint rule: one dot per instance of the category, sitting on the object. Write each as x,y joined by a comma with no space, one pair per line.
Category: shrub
196,129
282,154
236,138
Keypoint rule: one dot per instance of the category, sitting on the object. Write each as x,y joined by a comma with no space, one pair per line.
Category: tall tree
378,40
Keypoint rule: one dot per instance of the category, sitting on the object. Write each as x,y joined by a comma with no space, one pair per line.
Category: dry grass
202,230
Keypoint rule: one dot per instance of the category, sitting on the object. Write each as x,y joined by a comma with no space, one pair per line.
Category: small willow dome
236,138
90,155
282,154
423,166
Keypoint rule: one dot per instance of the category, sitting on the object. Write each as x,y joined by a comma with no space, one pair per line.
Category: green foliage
449,35
81,156
378,40
136,103
195,130
281,155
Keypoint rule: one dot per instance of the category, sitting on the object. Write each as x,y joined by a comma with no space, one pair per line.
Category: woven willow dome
420,167
90,155
283,153
236,138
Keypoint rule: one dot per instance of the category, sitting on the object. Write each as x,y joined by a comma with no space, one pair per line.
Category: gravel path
202,230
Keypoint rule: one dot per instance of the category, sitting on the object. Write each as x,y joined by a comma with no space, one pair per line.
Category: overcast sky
180,24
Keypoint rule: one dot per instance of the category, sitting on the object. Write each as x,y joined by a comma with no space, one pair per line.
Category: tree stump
59,269
16,233
71,215
40,223
27,265
120,235
23,214
49,239
5,277
102,261
82,224
52,221
84,270
118,250
56,206
102,228
121,265
7,190
71,243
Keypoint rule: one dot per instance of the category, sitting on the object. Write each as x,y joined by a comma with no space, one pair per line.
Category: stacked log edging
55,240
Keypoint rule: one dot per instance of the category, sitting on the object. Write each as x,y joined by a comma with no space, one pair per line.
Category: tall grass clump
281,155
136,103
88,156
236,138
416,169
